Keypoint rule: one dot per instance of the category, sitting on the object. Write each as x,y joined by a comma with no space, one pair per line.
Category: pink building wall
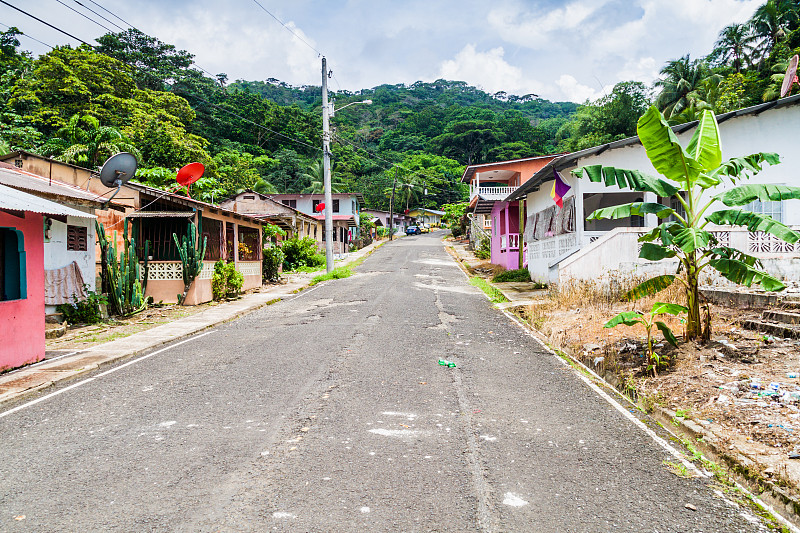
506,216
22,321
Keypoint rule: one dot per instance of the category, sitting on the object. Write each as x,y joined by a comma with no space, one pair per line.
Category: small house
345,211
293,221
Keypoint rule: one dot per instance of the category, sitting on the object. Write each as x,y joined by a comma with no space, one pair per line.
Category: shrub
520,274
270,264
300,252
485,250
83,311
226,281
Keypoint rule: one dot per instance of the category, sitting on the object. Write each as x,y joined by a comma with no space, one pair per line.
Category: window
13,281
336,206
773,209
248,197
76,238
18,163
290,203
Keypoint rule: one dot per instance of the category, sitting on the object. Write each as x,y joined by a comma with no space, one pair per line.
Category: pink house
492,218
22,274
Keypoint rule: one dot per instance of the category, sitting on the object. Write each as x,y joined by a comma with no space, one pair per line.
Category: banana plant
692,174
648,320
191,258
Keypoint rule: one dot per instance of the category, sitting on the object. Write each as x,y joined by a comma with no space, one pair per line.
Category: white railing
492,193
509,242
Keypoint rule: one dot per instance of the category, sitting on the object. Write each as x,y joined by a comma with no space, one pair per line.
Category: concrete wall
22,321
56,254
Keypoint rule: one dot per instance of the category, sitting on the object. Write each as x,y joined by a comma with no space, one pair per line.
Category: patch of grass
521,274
336,273
679,470
304,269
494,295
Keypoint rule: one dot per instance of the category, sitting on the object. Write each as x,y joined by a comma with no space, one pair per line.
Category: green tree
691,173
467,141
681,81
87,146
771,23
735,46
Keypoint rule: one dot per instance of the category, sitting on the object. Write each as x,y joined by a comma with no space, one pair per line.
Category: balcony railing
510,242
492,193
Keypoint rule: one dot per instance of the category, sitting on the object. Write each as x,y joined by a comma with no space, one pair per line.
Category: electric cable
84,16
99,15
45,23
287,28
23,34
114,15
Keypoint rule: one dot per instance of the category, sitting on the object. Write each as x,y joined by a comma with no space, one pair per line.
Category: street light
333,111
327,112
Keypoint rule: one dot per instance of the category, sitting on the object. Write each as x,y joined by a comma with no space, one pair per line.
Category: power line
45,23
28,36
84,16
113,15
99,15
287,28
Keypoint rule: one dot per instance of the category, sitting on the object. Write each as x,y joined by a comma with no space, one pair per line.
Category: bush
521,274
226,281
301,252
270,264
83,311
485,250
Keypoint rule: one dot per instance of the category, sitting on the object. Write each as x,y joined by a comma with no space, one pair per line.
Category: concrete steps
778,323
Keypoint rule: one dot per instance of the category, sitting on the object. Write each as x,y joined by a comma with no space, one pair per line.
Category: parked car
413,230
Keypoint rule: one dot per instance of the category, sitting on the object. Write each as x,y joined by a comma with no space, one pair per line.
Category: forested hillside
133,92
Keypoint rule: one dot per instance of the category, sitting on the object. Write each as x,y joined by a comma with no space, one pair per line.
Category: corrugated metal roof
27,181
15,200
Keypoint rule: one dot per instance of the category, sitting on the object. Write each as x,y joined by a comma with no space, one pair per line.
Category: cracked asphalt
329,412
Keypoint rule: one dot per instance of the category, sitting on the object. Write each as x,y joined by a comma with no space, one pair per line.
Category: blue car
413,230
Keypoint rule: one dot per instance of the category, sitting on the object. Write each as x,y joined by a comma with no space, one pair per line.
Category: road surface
329,412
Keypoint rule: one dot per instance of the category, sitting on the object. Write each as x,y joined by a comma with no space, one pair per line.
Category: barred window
773,209
76,238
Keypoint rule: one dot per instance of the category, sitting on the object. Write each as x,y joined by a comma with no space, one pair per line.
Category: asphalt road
329,413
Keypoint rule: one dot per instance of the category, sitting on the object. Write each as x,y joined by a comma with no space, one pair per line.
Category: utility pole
391,207
326,168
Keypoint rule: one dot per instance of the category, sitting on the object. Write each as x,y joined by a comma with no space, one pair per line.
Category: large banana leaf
655,252
626,179
754,222
660,308
663,231
649,287
726,252
664,150
704,147
668,335
744,194
629,318
744,274
632,209
691,239
749,165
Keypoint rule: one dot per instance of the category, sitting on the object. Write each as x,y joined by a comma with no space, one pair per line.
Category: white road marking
365,509
279,514
487,438
401,433
85,381
509,498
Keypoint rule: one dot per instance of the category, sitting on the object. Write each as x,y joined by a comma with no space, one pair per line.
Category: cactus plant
191,258
121,272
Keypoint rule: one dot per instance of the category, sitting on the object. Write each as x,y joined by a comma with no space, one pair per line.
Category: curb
110,358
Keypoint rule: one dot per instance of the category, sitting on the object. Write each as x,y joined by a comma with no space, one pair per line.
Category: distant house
69,241
345,212
381,218
22,274
293,221
562,245
493,217
430,217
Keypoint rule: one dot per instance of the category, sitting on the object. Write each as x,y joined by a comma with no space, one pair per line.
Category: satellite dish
189,174
116,171
320,207
791,77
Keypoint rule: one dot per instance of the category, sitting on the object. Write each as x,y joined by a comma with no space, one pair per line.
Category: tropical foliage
690,175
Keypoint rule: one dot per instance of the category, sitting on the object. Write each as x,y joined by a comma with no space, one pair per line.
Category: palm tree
316,176
735,45
770,23
682,78
87,147
262,186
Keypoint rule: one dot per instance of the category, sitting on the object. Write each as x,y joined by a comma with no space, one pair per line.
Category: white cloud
489,70
534,29
574,91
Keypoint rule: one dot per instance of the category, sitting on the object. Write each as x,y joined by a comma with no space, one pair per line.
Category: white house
345,213
563,245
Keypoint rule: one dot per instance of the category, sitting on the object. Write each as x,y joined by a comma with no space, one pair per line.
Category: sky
558,50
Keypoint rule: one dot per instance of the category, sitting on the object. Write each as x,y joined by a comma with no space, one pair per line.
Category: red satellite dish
791,77
189,174
320,207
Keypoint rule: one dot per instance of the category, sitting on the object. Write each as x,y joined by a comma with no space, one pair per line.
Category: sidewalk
30,379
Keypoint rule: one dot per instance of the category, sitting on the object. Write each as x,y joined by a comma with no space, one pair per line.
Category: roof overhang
16,202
